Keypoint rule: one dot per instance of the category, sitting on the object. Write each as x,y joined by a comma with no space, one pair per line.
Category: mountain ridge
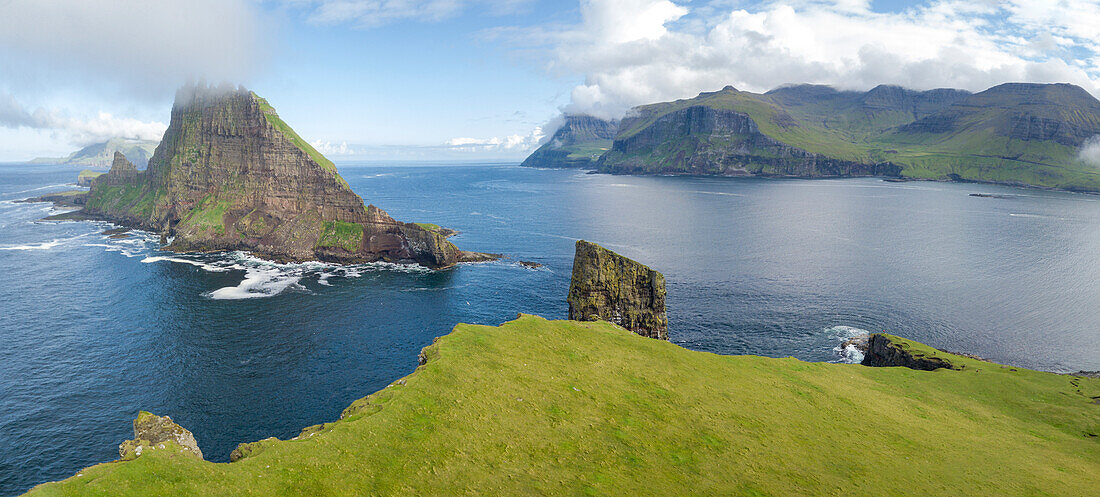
1026,134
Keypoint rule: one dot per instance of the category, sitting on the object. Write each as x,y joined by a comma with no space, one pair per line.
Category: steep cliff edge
230,174
888,351
570,408
609,287
578,143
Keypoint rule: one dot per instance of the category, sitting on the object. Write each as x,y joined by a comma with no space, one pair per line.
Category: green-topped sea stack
609,287
230,174
86,177
578,143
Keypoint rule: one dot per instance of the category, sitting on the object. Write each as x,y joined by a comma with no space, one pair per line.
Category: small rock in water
529,264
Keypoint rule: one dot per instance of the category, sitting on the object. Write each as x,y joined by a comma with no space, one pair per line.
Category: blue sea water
236,349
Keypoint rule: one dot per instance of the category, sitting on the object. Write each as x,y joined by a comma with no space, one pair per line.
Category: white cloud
1090,151
101,127
329,148
130,46
373,13
633,52
512,143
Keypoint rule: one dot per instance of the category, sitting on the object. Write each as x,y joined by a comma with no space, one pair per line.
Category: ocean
237,349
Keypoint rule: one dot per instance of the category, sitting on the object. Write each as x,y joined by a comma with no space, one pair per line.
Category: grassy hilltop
1014,133
566,408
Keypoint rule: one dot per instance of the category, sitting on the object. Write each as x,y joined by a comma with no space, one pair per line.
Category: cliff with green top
1015,133
537,407
606,286
230,174
578,143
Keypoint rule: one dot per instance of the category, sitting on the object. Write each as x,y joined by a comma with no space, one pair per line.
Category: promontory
230,174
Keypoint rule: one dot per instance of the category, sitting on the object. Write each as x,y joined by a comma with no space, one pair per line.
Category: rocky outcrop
230,174
152,432
609,287
69,199
578,143
122,172
882,351
86,177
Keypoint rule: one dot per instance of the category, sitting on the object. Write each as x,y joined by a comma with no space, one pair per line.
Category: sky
461,80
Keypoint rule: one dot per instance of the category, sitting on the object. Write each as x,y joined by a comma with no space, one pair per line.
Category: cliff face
576,144
607,286
881,351
702,140
229,174
1014,133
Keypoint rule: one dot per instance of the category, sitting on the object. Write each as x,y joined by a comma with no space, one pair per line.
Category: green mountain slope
537,407
1013,133
578,143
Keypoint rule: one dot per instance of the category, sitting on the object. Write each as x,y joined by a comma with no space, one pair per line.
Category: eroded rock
152,432
607,286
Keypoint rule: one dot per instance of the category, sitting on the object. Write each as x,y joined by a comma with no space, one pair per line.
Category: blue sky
484,79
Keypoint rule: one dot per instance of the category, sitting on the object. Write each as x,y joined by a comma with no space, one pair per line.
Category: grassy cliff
1027,134
566,408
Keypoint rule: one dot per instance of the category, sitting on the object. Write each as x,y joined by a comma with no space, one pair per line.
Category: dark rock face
607,286
882,352
229,174
576,144
152,431
702,140
122,172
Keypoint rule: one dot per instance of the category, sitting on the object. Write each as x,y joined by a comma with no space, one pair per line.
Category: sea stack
607,286
151,432
230,174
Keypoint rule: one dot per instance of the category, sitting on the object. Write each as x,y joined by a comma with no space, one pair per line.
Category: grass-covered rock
537,407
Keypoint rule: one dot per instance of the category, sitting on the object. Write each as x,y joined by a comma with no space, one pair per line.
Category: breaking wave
264,278
846,349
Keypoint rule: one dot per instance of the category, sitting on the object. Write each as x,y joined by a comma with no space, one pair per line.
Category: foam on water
58,185
264,278
34,246
845,349
257,283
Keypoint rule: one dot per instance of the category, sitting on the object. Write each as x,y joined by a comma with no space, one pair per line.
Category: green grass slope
537,407
1014,133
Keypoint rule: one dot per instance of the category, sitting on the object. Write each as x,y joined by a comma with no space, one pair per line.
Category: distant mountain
577,143
101,155
1014,133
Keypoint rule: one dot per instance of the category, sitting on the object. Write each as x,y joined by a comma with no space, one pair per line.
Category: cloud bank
374,13
512,143
82,51
138,46
633,52
81,131
1090,151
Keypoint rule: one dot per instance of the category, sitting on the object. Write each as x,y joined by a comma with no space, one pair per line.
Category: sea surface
236,349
